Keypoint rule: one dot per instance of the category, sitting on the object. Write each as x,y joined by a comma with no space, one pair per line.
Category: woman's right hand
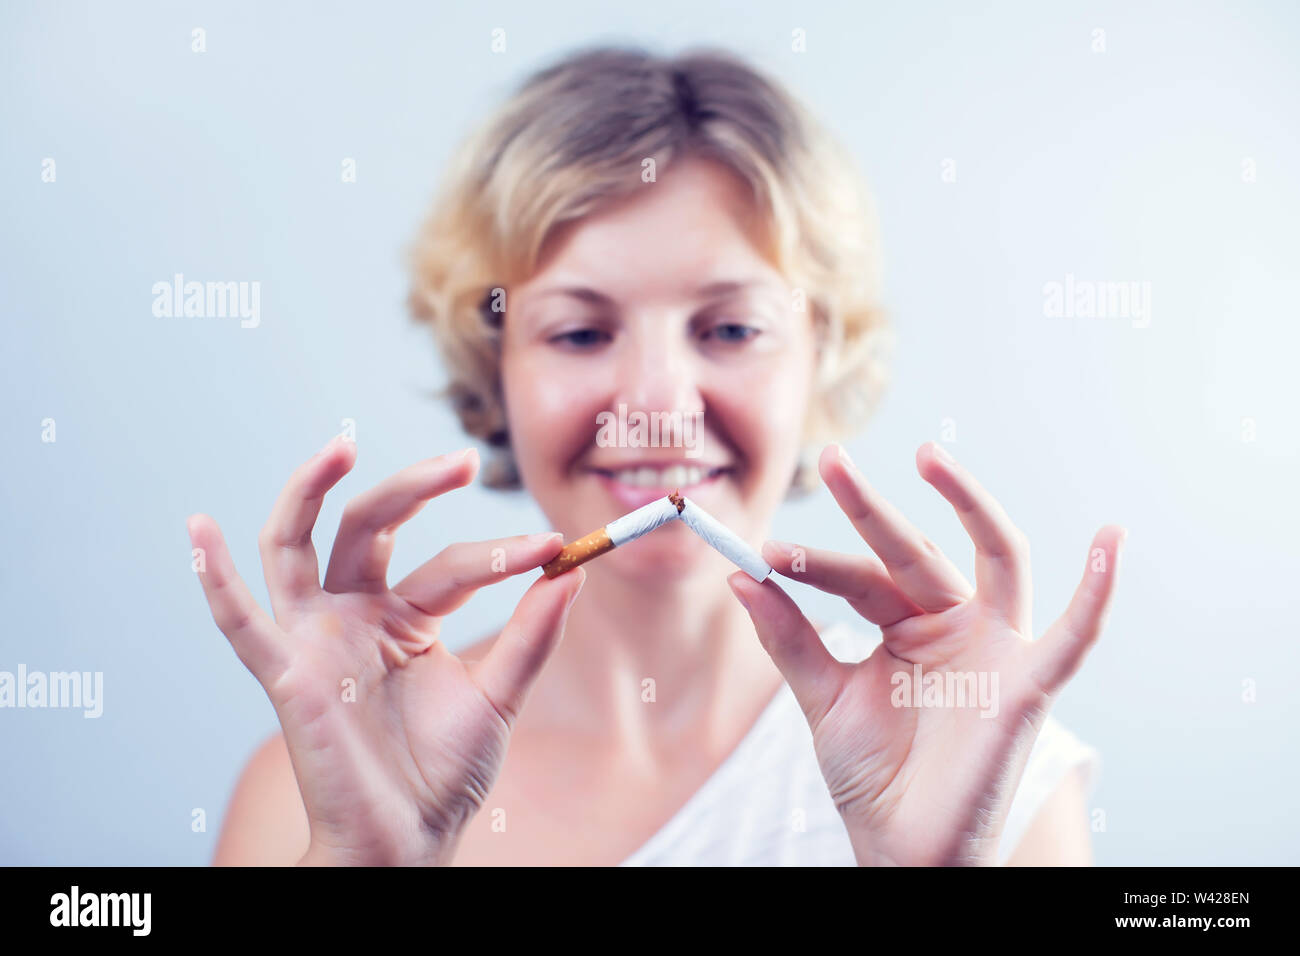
394,740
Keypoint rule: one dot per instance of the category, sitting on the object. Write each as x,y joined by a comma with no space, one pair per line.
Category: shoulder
265,822
1059,833
1048,822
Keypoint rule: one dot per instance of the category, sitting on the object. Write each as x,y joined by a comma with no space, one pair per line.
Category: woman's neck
644,669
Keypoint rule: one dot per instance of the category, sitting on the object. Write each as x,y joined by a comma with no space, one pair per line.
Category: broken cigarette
725,541
619,531
644,520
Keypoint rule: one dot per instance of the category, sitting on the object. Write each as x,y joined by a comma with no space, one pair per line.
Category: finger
364,544
288,558
262,646
517,656
860,579
1002,569
914,562
1060,651
794,645
450,578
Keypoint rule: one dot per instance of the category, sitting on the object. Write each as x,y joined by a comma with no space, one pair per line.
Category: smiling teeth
676,476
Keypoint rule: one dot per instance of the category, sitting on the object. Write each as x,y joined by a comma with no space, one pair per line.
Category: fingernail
942,454
848,463
739,597
542,537
1123,540
582,579
785,548
327,446
453,457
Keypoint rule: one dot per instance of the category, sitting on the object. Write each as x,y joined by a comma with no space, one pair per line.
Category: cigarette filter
726,541
619,531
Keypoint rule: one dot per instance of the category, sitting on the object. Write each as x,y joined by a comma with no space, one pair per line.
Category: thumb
794,645
525,644
1061,650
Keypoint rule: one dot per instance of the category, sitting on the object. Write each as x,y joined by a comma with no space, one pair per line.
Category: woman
670,236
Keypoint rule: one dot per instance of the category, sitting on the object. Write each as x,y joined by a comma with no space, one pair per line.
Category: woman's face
661,305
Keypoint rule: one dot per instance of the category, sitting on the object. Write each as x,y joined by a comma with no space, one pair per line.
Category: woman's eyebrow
592,296
713,290
582,293
716,289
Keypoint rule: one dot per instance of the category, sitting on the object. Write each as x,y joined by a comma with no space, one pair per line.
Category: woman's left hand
916,783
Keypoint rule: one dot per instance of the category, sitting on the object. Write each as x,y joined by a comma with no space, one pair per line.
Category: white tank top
768,804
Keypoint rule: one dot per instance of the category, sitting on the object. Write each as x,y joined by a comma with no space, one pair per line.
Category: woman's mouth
640,485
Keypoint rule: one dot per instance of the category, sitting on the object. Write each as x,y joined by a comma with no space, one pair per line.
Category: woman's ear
805,478
501,472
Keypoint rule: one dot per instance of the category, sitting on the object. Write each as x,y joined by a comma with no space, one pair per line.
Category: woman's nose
657,372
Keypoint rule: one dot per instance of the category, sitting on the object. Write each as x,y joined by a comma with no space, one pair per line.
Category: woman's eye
732,332
581,338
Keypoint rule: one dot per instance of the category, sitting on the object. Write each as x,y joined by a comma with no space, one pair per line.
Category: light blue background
1122,165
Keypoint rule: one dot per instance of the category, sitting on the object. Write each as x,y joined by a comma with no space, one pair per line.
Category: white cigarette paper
642,521
619,531
725,541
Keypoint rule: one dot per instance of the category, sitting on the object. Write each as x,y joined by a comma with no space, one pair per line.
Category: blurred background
1011,146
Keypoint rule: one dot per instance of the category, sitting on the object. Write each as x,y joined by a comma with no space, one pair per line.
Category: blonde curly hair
574,136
